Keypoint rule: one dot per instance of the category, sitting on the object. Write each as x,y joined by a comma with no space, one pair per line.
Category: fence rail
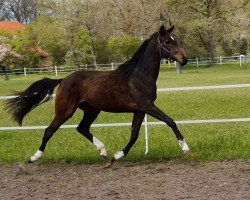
221,60
204,121
110,66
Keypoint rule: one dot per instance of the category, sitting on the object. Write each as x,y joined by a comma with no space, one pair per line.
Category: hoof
36,156
30,161
184,146
110,164
104,157
186,151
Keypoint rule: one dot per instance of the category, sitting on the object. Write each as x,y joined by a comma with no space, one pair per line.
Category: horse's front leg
136,125
160,115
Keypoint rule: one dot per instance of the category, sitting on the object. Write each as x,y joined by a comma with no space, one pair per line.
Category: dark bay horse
130,88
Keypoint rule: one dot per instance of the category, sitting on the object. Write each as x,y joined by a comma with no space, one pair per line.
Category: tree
73,17
91,31
243,46
50,36
25,44
7,56
135,18
208,23
23,11
80,48
102,20
123,48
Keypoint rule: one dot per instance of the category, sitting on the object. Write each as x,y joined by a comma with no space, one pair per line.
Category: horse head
169,46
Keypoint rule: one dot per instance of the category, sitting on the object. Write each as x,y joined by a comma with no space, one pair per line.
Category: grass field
207,141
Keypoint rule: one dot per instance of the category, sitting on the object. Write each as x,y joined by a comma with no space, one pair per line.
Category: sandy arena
227,180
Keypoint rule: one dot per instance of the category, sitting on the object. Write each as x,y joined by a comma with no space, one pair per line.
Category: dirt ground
228,180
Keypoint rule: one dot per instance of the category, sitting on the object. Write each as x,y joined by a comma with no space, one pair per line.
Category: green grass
207,141
216,75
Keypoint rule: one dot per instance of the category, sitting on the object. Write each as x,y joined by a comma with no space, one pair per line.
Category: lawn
207,141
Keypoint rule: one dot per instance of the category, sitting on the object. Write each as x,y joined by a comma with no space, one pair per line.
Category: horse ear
170,30
162,30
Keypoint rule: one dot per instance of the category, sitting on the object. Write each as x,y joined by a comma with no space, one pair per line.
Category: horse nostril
185,60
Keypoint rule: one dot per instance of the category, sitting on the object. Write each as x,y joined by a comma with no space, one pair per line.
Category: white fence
221,60
60,69
146,123
110,66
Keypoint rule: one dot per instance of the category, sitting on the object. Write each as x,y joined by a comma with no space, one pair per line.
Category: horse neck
149,64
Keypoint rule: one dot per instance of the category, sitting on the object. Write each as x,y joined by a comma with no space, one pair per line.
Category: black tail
36,94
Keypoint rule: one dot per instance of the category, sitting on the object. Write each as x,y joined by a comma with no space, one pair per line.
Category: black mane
127,68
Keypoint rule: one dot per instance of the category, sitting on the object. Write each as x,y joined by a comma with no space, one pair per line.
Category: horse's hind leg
49,132
62,115
90,114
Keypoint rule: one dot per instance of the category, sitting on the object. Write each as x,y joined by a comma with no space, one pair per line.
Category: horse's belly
119,109
111,105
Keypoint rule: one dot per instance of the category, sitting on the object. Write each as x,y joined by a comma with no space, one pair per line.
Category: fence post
146,134
112,65
169,63
178,68
240,60
220,60
56,70
197,62
24,71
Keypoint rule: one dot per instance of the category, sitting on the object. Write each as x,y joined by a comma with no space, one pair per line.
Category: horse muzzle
181,57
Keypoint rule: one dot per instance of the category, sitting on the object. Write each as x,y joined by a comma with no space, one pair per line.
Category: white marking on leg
100,146
119,155
36,156
184,146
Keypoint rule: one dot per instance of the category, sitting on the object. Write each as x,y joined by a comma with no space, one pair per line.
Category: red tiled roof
39,51
10,26
13,27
